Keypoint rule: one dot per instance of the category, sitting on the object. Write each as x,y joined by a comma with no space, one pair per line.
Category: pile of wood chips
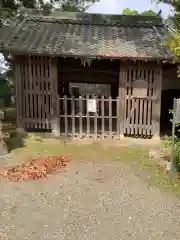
36,168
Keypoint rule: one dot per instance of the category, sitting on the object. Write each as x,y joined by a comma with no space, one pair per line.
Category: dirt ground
101,195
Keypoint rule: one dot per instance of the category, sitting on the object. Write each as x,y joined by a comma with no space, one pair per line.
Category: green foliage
149,13
176,150
177,155
175,4
73,6
128,11
8,7
172,41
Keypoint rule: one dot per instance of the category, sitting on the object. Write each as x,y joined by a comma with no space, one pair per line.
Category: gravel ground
90,200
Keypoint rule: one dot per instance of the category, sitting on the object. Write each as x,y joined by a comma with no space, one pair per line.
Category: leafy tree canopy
128,11
66,5
149,13
175,4
173,40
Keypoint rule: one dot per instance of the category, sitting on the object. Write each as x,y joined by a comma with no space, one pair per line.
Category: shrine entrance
140,88
90,111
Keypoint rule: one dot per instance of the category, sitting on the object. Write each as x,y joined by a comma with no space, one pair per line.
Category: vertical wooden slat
25,90
128,113
102,117
19,95
73,116
135,75
80,116
65,115
149,102
27,97
43,95
33,88
23,87
95,120
122,96
31,123
130,80
55,62
35,92
49,112
38,80
125,115
145,116
47,92
130,85
58,114
132,116
140,116
53,77
40,89
157,102
118,116
44,92
149,72
137,117
110,116
88,120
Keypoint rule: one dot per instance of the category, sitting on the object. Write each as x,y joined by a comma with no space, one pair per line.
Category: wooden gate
36,84
138,118
102,122
142,95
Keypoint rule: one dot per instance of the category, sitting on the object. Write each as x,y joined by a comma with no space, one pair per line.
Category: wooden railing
109,119
77,121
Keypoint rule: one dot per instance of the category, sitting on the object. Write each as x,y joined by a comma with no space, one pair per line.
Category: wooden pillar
122,96
19,94
54,96
156,111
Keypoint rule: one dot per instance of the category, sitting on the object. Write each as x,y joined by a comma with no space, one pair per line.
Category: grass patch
155,175
135,158
94,151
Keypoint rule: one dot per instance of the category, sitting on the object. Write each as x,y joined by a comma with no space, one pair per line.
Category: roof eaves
14,33
56,54
156,21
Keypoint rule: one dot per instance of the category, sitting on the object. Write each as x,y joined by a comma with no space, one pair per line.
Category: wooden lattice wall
140,94
36,79
37,94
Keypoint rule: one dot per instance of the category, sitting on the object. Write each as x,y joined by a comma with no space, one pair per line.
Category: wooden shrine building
87,75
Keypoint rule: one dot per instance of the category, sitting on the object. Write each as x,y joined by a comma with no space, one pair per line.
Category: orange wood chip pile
36,168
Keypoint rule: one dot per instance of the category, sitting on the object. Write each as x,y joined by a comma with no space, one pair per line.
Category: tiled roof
90,36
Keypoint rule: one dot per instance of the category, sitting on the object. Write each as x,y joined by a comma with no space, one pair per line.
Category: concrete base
56,132
121,136
156,138
20,130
